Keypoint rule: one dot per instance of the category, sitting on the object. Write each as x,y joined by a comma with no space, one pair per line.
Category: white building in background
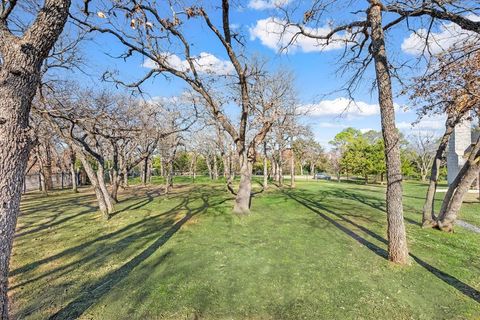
461,140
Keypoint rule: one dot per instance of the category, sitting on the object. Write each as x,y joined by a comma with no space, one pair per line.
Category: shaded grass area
314,252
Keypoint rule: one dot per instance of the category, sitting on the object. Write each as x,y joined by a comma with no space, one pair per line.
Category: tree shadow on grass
95,291
375,203
464,288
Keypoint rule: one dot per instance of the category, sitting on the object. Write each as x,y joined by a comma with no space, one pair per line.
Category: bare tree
367,32
423,145
450,86
458,189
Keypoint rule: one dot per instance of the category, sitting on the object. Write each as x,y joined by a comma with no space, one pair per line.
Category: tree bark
243,197
265,166
103,187
125,178
280,168
99,194
397,242
47,172
458,189
292,169
72,170
447,218
209,167
22,59
215,167
428,214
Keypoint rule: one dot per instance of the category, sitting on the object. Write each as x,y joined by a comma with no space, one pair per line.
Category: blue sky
315,70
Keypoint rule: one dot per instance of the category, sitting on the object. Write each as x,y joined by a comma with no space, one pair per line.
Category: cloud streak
205,63
272,33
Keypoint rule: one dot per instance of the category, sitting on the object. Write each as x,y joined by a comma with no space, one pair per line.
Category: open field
314,252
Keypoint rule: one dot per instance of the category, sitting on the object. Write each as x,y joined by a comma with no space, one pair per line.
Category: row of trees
363,154
157,32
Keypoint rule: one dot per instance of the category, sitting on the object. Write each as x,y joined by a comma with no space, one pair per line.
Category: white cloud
331,125
365,130
272,34
204,63
267,4
431,123
449,36
342,106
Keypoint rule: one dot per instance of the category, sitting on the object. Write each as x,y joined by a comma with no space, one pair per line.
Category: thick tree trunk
447,218
16,94
456,191
428,217
115,184
397,241
243,197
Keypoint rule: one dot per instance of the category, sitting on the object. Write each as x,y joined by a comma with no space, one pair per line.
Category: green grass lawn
315,252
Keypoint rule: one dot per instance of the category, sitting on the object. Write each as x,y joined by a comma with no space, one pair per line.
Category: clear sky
317,79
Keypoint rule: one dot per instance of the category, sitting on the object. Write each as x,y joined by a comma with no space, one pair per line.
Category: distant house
459,147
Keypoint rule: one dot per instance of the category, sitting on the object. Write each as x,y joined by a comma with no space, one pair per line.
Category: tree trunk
226,167
145,171
265,166
169,177
447,218
280,168
115,184
275,169
215,168
243,197
16,94
397,242
428,214
103,188
72,170
456,191
292,170
93,177
43,185
125,178
209,166
47,173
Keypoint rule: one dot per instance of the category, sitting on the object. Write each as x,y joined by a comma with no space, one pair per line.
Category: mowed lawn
314,252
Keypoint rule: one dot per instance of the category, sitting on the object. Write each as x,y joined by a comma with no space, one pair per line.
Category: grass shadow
462,287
